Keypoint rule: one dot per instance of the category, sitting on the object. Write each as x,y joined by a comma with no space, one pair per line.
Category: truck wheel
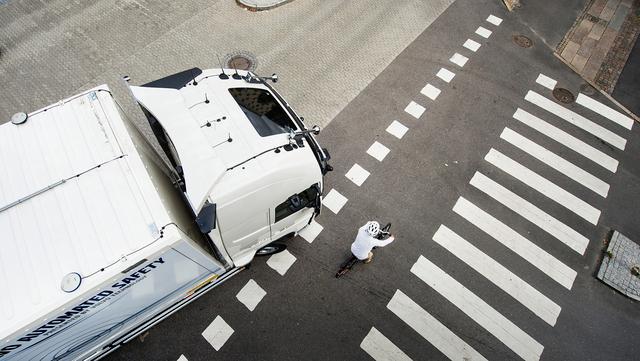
270,249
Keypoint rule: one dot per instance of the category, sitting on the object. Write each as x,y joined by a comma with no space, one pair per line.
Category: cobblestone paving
616,268
600,41
325,52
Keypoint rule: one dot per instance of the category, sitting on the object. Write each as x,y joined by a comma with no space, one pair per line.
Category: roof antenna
193,76
206,99
235,76
222,75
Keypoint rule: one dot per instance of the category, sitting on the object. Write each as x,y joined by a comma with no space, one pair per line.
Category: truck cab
247,166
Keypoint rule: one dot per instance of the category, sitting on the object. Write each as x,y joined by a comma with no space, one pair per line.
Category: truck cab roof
75,198
228,134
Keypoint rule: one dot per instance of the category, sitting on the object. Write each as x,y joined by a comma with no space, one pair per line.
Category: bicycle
352,260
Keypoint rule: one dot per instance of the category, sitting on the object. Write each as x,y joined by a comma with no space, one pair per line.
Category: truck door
245,226
294,212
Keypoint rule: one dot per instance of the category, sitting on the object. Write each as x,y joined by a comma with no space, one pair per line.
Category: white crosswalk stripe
471,45
567,140
473,306
484,32
514,241
576,119
431,329
544,186
546,82
381,348
533,214
494,20
556,162
513,285
605,111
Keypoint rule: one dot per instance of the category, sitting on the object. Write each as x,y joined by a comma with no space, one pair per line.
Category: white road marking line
251,294
217,333
544,186
556,162
381,348
484,32
546,82
445,75
494,20
605,111
576,119
513,285
567,140
415,109
182,358
431,329
513,240
357,174
311,231
430,91
533,214
281,262
473,306
471,45
459,59
397,129
334,201
378,151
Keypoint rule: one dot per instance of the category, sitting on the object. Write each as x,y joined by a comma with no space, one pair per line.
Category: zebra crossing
534,301
588,119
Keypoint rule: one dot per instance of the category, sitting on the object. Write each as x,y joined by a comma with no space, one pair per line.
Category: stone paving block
583,29
597,30
590,70
615,270
596,8
607,39
579,62
607,12
570,51
618,18
587,47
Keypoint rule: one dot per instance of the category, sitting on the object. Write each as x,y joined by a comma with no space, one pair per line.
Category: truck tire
270,249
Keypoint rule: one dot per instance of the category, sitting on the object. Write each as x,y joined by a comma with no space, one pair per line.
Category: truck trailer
107,227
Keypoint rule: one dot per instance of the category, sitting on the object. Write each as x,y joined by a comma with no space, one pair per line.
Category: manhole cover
241,60
563,95
522,41
587,89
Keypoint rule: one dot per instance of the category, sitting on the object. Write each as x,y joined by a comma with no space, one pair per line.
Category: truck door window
264,112
296,202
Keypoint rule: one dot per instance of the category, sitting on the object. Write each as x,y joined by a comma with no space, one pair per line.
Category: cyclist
366,240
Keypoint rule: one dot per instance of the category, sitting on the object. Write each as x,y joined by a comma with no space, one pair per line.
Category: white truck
101,239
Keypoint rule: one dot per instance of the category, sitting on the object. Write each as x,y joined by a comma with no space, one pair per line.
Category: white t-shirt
364,243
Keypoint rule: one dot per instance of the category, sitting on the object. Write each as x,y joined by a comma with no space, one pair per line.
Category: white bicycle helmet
373,228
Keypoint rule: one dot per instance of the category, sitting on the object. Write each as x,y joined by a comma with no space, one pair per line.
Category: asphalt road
528,305
555,310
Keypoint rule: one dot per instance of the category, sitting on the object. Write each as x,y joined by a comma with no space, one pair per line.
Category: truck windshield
263,110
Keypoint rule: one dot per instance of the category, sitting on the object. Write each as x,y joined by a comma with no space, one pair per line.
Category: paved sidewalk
616,270
600,41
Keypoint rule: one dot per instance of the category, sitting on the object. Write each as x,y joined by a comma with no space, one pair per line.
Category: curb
252,5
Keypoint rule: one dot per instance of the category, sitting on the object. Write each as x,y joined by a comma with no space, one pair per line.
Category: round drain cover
522,41
241,60
563,95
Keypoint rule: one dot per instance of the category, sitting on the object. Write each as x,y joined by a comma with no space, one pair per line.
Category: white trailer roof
74,197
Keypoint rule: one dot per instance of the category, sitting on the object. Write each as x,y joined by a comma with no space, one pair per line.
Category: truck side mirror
206,219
